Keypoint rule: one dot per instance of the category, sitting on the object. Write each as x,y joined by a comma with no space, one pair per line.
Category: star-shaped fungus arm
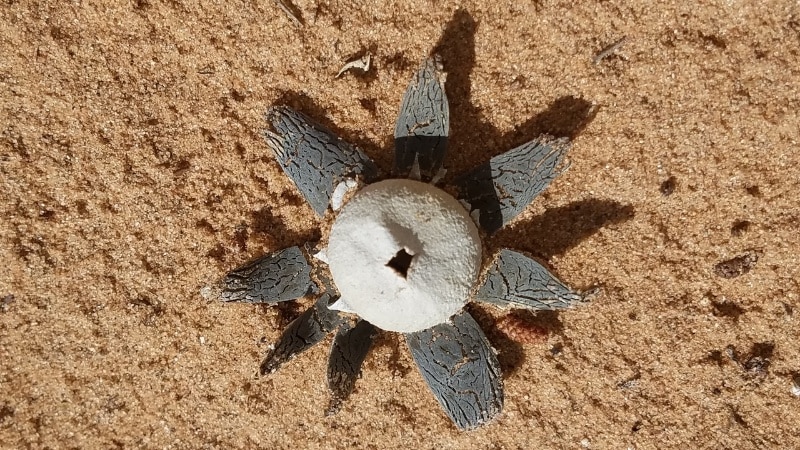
350,347
314,158
496,192
420,134
303,333
272,278
461,369
514,280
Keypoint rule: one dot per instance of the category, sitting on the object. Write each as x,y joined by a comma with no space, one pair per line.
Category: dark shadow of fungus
476,139
395,345
265,225
548,321
566,117
559,229
286,312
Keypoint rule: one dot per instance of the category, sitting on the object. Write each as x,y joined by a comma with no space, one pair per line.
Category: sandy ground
134,174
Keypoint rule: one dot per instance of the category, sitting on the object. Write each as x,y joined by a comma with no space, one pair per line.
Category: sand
134,175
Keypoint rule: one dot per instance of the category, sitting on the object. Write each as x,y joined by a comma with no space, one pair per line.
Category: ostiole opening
401,262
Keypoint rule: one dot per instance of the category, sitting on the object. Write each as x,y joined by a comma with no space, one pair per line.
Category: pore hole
401,262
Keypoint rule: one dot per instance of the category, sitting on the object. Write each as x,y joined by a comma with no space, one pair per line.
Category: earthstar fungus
382,222
404,255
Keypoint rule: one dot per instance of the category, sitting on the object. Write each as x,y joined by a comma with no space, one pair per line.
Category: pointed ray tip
270,365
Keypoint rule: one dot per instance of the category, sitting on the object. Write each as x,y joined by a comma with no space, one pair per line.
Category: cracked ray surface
313,157
498,191
272,278
514,280
350,347
422,127
461,369
308,329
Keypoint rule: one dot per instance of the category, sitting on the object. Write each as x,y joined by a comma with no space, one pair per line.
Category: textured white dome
404,255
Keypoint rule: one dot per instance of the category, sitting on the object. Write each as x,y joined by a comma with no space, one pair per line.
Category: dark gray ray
502,188
461,369
423,124
314,158
311,327
350,347
514,280
272,278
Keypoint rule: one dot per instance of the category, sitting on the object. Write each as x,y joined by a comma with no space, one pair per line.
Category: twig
360,63
291,12
608,50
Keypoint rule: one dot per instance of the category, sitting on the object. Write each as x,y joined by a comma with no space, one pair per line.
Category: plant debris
362,63
737,266
609,50
291,12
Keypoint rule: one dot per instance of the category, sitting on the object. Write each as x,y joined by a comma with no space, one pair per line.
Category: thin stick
290,10
360,63
606,52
